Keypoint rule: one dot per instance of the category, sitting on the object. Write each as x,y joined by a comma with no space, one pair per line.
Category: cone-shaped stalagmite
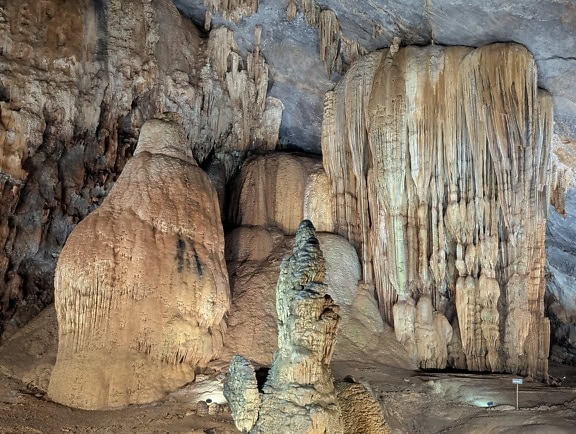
445,151
299,395
141,284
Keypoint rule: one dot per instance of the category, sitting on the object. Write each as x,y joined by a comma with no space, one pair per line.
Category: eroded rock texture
141,284
439,163
361,412
241,392
77,79
299,396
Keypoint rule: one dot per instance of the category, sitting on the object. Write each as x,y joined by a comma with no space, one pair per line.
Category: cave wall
77,79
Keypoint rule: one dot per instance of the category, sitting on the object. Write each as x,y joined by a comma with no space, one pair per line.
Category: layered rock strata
141,284
299,395
439,161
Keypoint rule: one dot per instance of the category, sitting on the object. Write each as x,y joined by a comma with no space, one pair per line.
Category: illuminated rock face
141,284
439,163
281,189
299,394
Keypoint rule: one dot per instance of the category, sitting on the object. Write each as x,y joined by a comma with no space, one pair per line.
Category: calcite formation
252,321
439,161
361,412
141,284
280,189
299,395
77,79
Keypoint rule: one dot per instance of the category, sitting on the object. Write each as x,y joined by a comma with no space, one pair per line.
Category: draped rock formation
280,190
77,79
439,161
141,284
299,395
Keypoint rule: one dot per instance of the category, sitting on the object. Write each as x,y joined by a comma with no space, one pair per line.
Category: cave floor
413,401
440,402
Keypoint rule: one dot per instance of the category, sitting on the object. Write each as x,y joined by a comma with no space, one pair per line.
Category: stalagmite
299,395
141,284
439,161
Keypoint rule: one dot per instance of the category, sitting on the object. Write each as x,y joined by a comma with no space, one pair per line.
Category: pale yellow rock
457,196
141,284
12,143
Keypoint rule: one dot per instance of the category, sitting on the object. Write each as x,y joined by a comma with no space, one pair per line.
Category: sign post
517,381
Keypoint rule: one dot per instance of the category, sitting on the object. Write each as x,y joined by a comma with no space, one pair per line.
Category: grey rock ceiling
298,78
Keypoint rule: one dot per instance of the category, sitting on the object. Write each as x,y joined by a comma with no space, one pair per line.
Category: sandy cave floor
413,401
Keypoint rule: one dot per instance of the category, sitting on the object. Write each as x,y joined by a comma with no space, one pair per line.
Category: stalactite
336,51
232,10
329,29
448,160
255,116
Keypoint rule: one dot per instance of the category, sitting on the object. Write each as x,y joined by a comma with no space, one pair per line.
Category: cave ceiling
299,79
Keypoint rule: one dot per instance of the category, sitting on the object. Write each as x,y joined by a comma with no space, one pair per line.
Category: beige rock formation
299,396
280,190
232,10
252,321
141,284
336,51
445,198
361,412
77,81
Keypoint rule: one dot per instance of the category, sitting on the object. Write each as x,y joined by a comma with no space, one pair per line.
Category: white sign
517,380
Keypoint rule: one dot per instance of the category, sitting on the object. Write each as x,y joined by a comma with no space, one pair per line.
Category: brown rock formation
252,321
361,412
141,284
445,150
299,396
77,80
280,190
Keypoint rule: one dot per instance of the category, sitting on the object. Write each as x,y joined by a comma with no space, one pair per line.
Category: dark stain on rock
180,252
198,263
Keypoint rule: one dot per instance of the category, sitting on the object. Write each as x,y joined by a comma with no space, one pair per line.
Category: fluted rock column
451,146
141,284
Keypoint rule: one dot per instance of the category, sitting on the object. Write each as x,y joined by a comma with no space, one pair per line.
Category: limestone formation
439,161
254,255
141,284
232,10
299,395
241,392
77,79
361,412
280,190
336,51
